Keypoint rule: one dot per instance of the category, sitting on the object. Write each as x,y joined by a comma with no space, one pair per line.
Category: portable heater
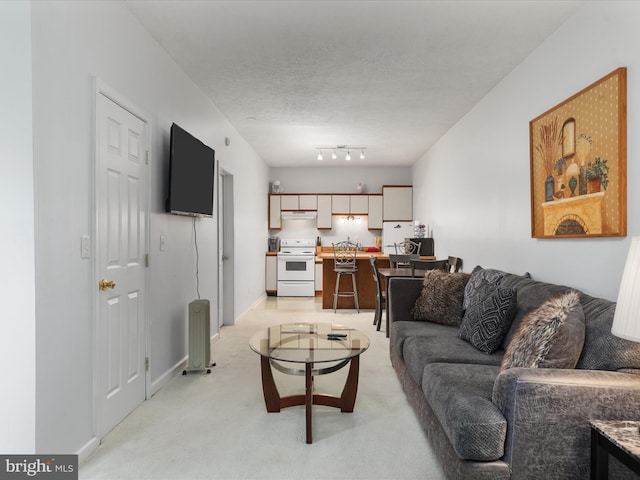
199,337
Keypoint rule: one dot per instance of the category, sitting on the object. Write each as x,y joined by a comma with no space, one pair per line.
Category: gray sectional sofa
518,423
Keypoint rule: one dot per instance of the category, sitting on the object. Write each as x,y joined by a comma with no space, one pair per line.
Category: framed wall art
579,163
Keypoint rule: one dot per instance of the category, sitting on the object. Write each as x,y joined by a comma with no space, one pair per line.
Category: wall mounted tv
191,175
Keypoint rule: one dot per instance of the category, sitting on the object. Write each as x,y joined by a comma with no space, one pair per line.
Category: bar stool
344,262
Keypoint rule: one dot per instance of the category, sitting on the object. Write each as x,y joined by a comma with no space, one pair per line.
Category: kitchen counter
364,278
359,255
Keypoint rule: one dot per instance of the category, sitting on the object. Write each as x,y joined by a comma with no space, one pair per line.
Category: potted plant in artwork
597,175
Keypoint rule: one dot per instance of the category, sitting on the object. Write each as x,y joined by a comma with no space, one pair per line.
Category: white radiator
199,336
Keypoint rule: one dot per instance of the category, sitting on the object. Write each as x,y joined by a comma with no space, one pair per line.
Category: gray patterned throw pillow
482,280
486,322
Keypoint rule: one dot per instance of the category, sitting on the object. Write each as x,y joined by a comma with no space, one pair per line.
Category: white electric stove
296,268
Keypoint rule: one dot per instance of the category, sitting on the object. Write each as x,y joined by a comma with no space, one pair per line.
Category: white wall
335,180
17,283
72,43
338,179
473,185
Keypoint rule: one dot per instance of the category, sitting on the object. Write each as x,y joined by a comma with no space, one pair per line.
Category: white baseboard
87,449
162,380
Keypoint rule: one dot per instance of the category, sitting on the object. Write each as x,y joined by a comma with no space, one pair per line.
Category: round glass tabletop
309,342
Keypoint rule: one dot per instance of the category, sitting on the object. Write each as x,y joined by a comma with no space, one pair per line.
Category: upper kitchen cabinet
308,202
324,212
275,209
375,212
397,203
359,204
340,204
289,202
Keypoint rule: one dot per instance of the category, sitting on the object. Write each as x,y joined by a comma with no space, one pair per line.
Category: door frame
101,88
226,236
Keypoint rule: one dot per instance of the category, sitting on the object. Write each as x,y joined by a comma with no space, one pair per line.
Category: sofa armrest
403,293
548,412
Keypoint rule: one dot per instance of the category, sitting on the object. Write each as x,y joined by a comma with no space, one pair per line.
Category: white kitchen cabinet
289,202
397,203
359,204
324,212
275,221
375,212
340,204
271,274
308,202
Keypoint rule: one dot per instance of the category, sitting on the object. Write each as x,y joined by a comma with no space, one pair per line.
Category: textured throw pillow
550,336
486,322
441,298
482,280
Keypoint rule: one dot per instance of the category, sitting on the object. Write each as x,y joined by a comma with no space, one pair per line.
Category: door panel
121,245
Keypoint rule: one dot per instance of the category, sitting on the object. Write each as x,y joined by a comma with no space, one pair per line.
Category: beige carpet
216,426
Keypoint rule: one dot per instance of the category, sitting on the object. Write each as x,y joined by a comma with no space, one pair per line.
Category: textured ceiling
393,76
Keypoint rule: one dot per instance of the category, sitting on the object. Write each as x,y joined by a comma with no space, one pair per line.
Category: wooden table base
274,402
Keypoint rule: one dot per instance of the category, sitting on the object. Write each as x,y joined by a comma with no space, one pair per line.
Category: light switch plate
85,246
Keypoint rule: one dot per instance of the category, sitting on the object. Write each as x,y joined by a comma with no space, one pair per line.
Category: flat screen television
191,175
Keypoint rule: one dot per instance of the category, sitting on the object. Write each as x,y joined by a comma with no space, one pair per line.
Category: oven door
296,267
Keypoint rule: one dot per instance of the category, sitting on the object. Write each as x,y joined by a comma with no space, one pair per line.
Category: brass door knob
104,284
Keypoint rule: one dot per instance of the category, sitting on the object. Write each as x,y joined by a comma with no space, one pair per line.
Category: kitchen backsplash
356,230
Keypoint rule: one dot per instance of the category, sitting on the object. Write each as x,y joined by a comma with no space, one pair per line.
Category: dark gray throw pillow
481,281
441,298
486,322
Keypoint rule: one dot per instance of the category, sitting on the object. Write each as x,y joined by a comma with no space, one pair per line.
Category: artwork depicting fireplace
578,163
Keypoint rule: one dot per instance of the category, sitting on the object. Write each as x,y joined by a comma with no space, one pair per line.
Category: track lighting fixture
339,148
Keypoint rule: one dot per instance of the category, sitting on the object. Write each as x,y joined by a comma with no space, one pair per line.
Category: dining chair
407,248
454,264
397,260
344,263
381,294
428,265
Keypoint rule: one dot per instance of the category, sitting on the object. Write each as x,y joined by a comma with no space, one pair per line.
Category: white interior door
121,249
226,254
221,256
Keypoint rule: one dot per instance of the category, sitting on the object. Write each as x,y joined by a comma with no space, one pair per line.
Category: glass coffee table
309,349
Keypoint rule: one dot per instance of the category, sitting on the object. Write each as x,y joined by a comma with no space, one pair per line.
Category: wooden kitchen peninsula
364,280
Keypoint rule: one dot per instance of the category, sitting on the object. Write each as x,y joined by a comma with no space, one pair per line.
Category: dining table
389,273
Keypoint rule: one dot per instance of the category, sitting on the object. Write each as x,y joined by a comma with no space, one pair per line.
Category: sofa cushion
551,336
423,350
531,295
441,298
460,397
400,331
480,281
602,349
486,321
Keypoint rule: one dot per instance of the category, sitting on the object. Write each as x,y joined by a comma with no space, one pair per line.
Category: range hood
299,215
